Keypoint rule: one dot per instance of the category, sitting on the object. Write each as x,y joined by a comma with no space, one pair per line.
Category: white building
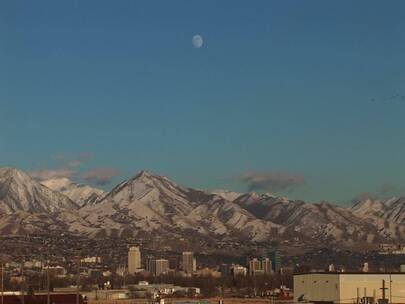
346,287
238,270
143,288
91,260
57,271
107,294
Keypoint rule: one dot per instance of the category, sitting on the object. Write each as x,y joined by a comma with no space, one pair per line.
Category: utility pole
46,263
390,289
358,296
77,281
22,283
383,289
2,283
48,286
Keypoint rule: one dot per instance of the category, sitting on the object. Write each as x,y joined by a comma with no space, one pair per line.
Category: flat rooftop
349,272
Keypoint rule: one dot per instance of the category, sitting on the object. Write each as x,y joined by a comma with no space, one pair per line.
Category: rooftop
350,272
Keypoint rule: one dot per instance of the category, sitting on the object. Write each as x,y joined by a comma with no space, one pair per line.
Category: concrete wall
398,288
316,287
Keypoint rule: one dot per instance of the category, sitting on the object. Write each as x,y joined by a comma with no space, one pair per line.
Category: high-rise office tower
134,260
189,262
267,266
275,258
260,266
161,266
254,266
148,263
174,262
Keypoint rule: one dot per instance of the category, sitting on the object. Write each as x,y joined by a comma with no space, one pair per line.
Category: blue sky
300,98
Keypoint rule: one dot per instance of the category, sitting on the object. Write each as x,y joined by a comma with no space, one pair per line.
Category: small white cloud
271,181
67,167
44,174
100,176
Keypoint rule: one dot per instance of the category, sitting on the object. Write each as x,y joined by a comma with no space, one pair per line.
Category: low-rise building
57,271
107,294
238,270
208,272
348,287
91,260
144,289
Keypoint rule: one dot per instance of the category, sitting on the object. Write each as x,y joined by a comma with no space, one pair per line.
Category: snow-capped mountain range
149,203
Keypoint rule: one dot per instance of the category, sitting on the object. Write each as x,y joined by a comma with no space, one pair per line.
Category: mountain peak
147,186
15,174
12,178
149,177
145,174
20,192
226,194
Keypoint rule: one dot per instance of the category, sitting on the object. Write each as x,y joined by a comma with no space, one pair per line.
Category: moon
197,41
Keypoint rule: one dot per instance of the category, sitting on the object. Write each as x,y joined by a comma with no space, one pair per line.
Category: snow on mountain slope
228,195
387,215
223,217
151,196
321,221
148,202
392,209
23,223
80,194
19,192
145,202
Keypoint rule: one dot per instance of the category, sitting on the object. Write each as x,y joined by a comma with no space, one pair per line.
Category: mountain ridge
150,203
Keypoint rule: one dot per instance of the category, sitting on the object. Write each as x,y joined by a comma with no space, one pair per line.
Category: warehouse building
346,287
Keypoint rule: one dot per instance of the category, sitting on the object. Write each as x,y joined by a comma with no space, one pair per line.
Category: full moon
197,41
